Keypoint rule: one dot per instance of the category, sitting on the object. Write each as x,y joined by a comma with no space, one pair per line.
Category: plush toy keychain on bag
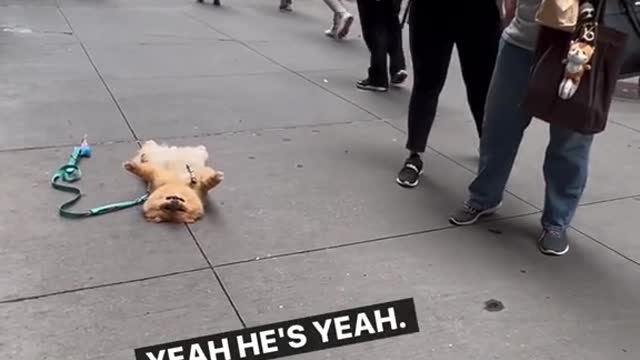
580,52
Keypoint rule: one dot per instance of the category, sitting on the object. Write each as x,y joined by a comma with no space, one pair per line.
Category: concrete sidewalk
308,220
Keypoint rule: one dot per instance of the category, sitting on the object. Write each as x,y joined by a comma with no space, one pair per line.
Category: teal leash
71,173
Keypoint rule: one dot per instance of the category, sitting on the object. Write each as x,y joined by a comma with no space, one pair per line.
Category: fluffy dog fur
178,179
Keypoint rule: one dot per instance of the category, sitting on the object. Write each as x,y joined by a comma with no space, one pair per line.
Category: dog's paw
154,219
129,165
219,176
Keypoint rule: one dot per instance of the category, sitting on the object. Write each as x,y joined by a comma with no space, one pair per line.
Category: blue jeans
567,157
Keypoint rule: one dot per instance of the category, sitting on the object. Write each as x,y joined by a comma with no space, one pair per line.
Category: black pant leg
395,49
477,50
431,45
372,17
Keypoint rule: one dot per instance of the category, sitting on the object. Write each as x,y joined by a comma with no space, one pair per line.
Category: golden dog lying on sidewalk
178,179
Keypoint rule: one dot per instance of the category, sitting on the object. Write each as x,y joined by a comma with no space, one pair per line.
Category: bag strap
406,14
632,15
600,11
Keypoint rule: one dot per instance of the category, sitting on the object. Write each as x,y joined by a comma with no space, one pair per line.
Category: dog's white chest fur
183,160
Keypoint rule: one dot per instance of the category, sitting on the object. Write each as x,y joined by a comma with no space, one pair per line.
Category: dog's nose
173,205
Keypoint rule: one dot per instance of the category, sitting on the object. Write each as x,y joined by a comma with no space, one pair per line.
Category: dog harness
71,173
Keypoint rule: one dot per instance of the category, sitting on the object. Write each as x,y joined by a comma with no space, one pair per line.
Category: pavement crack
218,278
394,237
294,72
99,286
99,74
69,33
606,246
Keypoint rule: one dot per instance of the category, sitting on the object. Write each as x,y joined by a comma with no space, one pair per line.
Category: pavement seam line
597,202
298,74
266,129
64,145
606,246
95,68
194,76
218,278
625,126
396,237
194,136
100,286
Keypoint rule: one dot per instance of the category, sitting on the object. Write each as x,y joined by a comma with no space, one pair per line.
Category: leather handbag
624,15
587,110
558,14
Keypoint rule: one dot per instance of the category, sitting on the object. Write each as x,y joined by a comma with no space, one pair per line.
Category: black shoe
410,173
553,242
399,77
367,84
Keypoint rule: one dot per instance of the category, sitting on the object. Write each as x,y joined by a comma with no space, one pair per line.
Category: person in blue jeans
567,156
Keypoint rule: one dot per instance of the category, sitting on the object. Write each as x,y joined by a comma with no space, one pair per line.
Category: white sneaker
330,32
345,20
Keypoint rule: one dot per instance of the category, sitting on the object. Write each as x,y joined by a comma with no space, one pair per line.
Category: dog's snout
174,198
173,205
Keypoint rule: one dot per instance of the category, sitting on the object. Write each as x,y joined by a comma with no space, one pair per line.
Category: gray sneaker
468,214
552,242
